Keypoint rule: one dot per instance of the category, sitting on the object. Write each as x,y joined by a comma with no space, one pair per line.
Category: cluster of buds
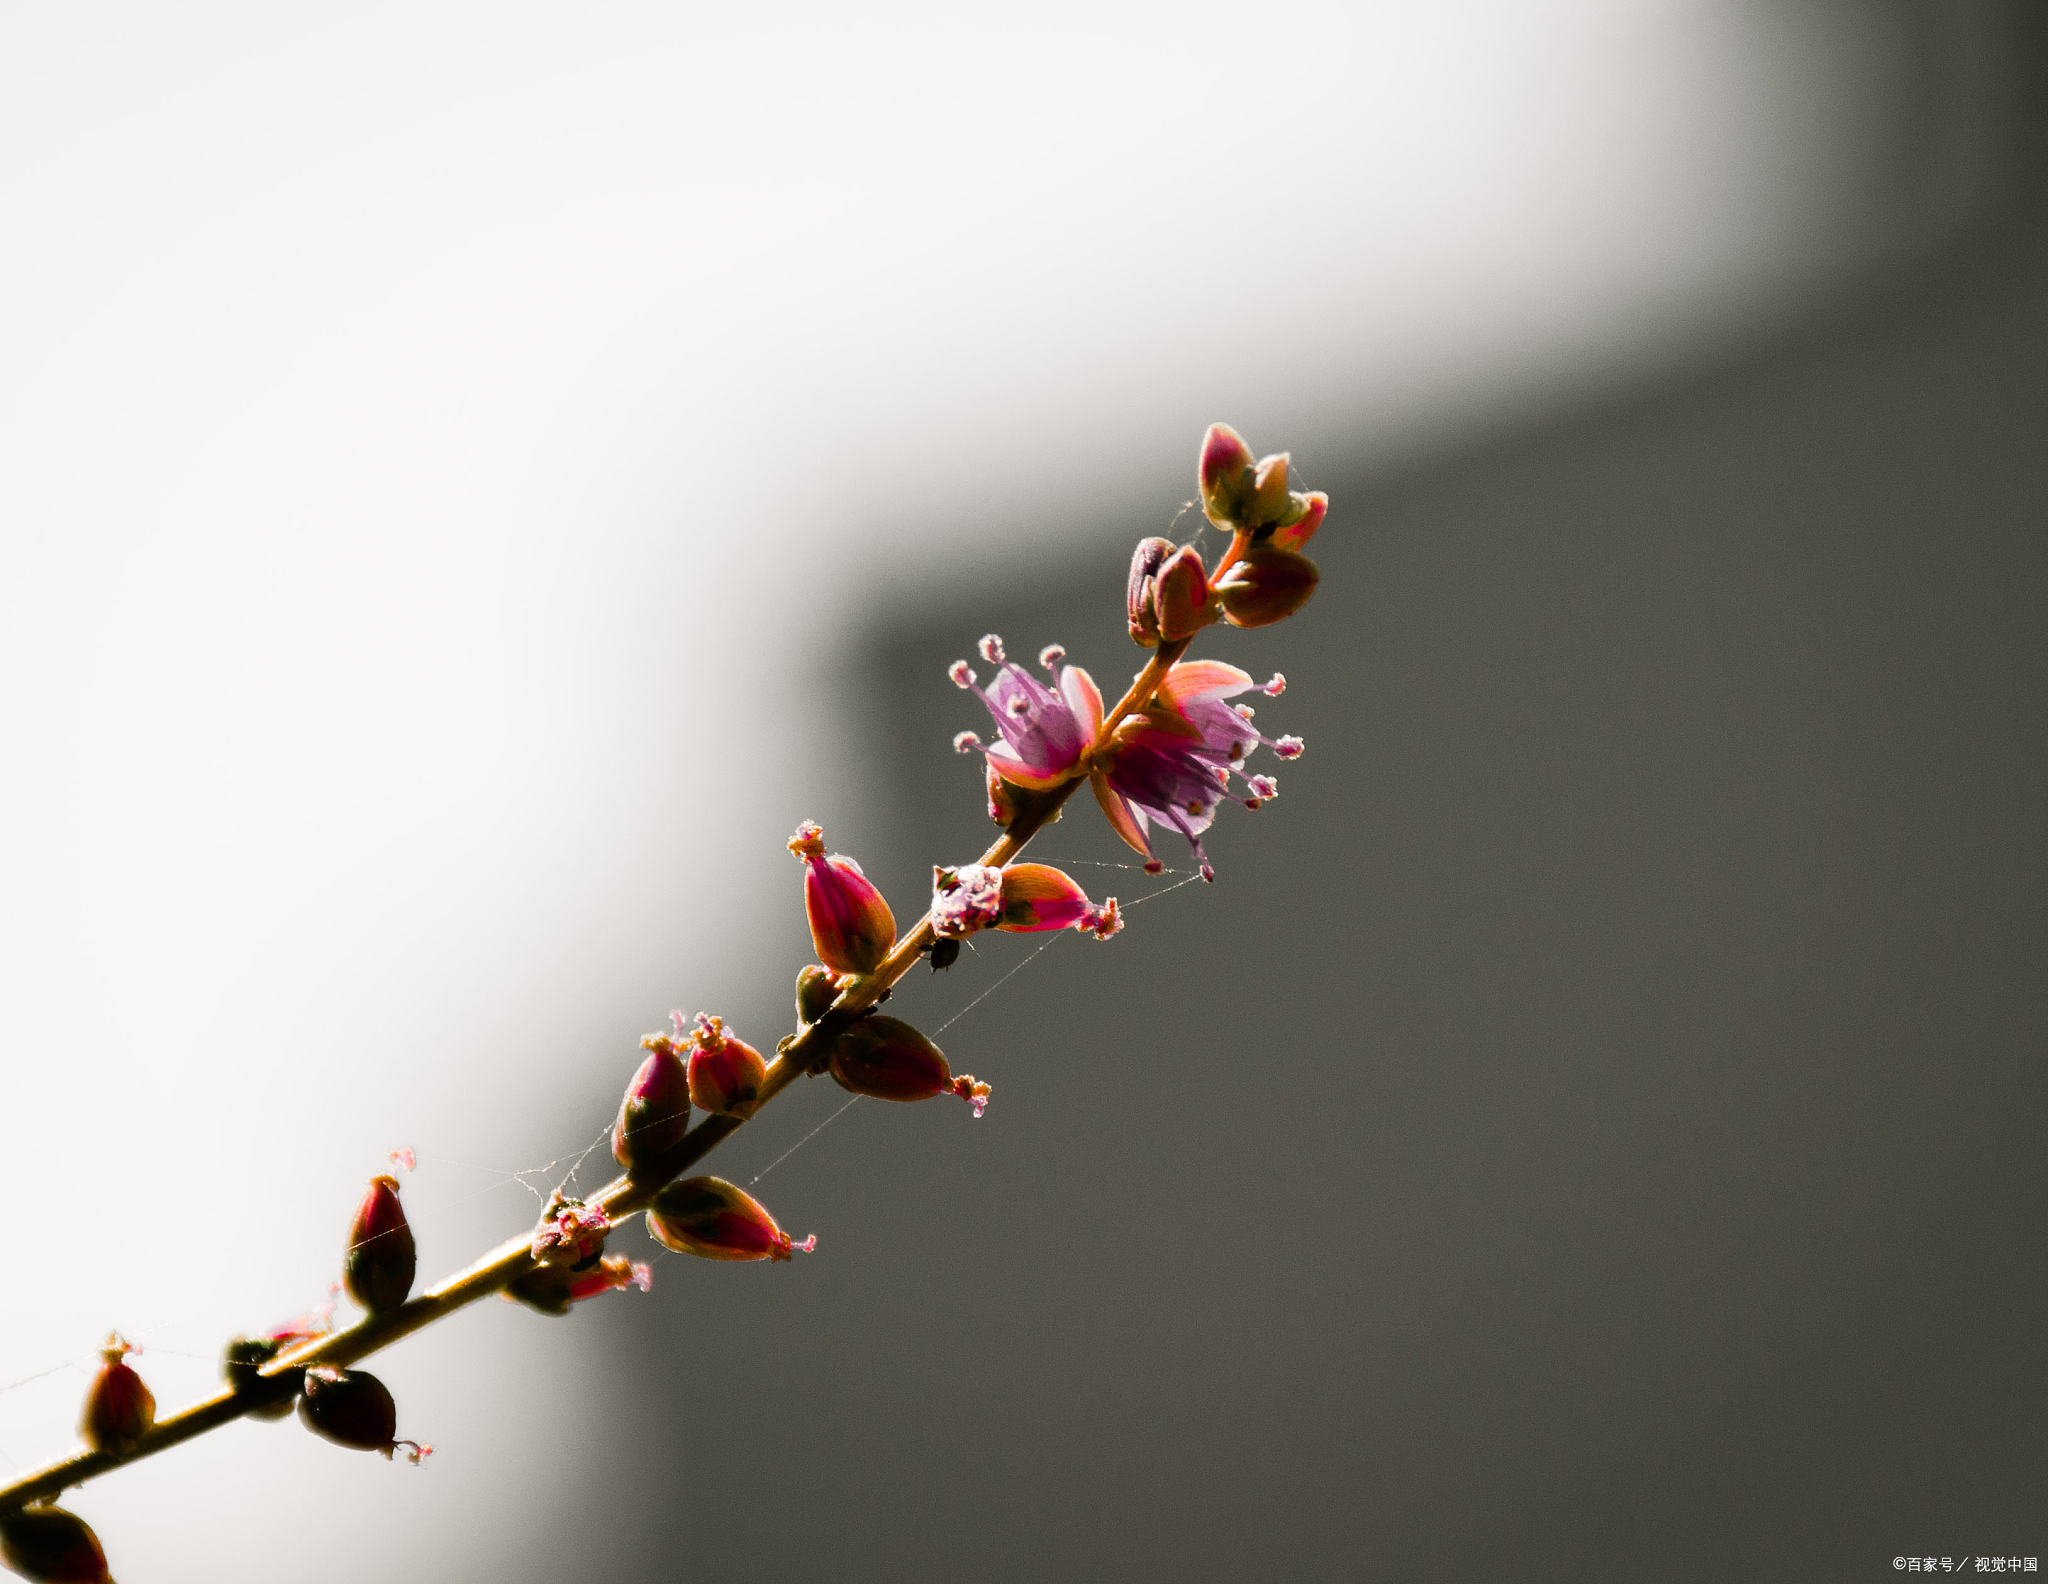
1262,578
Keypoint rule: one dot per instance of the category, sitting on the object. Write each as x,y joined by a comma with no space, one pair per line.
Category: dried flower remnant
1022,898
886,1059
851,925
51,1546
119,1409
1171,762
380,1261
709,1217
1046,731
352,1408
655,1111
726,1073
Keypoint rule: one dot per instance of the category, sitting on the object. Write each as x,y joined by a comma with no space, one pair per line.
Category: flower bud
708,1216
816,989
570,1236
656,1108
1269,501
1181,595
241,1366
726,1073
1264,586
851,926
378,1267
352,1408
118,1408
552,1289
1293,535
1146,561
886,1059
1224,462
1002,799
1022,898
51,1546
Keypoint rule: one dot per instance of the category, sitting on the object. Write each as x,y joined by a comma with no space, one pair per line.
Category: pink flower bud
887,1059
816,989
378,1267
726,1073
1143,613
51,1546
570,1235
709,1217
1224,461
851,926
1264,586
241,1365
656,1108
1181,595
352,1408
1294,535
1022,898
552,1290
119,1409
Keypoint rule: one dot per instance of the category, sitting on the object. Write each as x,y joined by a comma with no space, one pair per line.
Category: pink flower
1022,898
1172,761
1045,730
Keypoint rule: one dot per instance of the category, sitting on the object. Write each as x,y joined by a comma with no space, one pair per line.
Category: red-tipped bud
352,1408
1293,535
851,926
887,1059
552,1290
708,1216
51,1546
1146,561
1002,799
378,1267
816,989
118,1408
1022,898
1181,595
656,1109
1225,461
726,1073
1264,586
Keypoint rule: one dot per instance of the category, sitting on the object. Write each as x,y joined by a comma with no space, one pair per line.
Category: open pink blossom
1172,761
1045,730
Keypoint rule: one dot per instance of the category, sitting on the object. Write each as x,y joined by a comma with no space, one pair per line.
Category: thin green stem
803,1052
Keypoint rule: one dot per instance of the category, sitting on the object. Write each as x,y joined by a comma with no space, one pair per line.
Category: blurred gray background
473,480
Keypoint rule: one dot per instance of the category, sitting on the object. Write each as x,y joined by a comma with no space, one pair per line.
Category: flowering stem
802,1052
